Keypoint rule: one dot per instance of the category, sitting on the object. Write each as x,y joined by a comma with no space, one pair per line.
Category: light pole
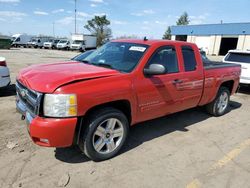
53,29
75,16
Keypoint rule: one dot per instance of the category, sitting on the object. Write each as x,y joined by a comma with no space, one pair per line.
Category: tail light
2,62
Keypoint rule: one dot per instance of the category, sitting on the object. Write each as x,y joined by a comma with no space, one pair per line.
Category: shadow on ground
245,89
8,91
147,131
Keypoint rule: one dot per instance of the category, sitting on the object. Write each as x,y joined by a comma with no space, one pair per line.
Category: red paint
149,97
59,132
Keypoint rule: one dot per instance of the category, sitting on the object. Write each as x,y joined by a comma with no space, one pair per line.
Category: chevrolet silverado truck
92,102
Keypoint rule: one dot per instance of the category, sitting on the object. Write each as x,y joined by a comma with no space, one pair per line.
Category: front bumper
52,132
49,132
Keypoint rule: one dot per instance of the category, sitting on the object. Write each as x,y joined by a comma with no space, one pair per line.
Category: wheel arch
122,105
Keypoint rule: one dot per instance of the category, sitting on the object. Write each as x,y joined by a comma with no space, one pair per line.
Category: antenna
145,38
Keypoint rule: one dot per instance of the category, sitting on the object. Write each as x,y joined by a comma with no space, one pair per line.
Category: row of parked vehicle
78,42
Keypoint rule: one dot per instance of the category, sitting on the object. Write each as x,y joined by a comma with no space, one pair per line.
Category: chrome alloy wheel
108,136
223,102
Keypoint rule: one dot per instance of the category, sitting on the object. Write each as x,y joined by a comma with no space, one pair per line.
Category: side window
189,58
165,56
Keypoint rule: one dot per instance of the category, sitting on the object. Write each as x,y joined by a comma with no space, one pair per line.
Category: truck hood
47,78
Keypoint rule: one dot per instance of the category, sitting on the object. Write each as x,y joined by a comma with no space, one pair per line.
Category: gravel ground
187,149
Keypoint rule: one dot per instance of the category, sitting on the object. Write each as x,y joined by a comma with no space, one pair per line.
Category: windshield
77,42
121,56
62,41
238,57
81,57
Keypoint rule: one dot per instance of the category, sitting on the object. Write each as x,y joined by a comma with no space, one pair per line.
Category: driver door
157,94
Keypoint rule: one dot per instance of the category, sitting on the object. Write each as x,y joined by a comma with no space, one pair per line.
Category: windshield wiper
84,61
103,65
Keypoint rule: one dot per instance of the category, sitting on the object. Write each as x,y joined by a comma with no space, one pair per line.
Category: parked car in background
63,44
51,43
37,42
4,73
94,102
5,42
241,58
19,40
82,56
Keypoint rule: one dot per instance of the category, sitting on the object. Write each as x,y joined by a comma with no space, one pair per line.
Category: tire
101,127
219,105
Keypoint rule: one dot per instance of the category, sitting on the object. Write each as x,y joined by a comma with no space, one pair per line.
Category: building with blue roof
215,39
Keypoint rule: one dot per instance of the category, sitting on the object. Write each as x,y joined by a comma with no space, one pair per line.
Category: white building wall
244,42
173,37
214,45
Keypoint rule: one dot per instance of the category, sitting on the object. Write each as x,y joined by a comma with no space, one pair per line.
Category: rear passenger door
190,86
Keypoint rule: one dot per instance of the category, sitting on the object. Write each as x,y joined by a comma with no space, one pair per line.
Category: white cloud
200,19
136,14
66,20
93,5
143,12
12,14
118,22
100,14
2,20
58,11
41,13
149,11
69,11
145,22
83,14
161,22
97,1
9,1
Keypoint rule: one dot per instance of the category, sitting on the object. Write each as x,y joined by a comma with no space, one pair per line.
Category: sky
128,17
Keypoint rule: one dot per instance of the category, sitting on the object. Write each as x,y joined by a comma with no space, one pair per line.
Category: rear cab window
238,57
189,58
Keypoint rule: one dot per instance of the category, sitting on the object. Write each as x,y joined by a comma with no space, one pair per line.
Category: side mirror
155,69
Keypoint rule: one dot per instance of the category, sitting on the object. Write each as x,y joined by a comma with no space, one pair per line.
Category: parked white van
63,44
19,40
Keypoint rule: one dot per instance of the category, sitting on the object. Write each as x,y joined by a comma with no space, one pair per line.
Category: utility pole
75,16
53,29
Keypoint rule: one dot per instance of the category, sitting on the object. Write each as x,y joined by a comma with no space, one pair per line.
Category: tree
167,34
183,20
98,26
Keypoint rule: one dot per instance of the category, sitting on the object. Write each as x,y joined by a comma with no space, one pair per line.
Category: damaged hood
47,78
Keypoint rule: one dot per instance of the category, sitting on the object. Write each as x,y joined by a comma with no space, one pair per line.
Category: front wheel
219,105
106,132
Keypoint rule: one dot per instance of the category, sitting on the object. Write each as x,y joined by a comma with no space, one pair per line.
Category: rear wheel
220,104
106,132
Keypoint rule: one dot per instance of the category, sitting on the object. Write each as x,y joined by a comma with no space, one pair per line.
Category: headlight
60,105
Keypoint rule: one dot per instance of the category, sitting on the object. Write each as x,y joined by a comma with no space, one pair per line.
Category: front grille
30,99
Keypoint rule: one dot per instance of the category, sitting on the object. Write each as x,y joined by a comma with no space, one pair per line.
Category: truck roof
239,51
150,42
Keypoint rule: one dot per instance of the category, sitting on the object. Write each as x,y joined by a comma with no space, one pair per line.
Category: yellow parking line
231,155
194,184
222,162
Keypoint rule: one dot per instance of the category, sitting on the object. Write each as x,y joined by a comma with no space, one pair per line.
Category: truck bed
217,65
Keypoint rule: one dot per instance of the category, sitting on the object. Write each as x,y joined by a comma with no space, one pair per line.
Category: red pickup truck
94,101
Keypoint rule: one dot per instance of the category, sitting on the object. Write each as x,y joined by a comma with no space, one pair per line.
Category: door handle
177,81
